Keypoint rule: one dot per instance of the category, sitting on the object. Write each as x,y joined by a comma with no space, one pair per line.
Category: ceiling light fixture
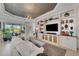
29,17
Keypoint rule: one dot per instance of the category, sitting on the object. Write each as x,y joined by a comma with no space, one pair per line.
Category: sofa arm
37,51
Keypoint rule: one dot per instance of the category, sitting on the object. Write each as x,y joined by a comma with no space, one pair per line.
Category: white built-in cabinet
64,41
68,42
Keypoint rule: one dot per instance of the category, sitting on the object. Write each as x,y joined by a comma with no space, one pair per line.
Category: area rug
52,50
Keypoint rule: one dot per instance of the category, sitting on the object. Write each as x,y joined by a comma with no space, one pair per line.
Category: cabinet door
68,42
55,39
72,43
63,41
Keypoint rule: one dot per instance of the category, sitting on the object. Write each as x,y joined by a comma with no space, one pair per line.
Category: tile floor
5,50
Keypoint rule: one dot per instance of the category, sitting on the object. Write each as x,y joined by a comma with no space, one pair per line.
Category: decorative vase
71,33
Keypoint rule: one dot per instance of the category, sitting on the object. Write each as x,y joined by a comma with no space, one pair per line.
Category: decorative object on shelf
46,21
56,18
50,18
66,14
41,28
67,33
62,28
41,32
64,33
41,21
71,28
66,21
71,33
38,23
41,24
62,21
66,26
71,21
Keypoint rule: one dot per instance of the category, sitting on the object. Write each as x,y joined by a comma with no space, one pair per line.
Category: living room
53,33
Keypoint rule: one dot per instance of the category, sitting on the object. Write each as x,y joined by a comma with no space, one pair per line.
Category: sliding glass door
11,29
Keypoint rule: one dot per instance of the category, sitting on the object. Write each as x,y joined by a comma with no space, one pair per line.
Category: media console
66,42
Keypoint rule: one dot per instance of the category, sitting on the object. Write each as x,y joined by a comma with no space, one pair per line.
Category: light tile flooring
5,50
72,53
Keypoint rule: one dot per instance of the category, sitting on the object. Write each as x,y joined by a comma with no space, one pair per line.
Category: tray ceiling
29,9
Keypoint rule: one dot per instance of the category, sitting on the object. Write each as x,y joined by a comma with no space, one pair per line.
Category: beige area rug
51,50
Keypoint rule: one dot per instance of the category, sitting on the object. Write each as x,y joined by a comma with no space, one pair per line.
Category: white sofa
24,48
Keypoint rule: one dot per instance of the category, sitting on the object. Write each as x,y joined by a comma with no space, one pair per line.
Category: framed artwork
71,27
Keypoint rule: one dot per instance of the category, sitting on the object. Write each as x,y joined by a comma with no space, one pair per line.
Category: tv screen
52,27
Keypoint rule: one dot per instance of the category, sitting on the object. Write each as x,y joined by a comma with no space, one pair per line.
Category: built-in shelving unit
41,25
68,23
66,35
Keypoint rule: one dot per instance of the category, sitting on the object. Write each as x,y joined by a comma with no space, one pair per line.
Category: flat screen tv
52,27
